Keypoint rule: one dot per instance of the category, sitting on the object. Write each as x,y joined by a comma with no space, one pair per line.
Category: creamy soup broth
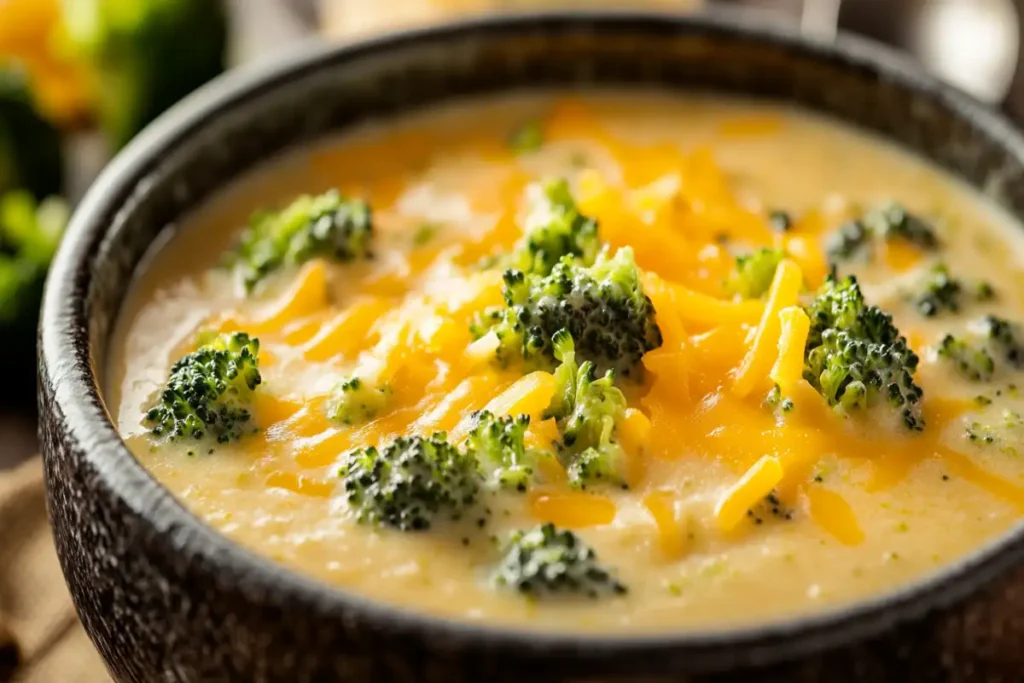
864,506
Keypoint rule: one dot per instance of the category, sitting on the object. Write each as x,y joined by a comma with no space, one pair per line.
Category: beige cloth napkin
41,640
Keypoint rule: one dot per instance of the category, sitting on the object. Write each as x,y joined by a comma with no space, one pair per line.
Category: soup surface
730,490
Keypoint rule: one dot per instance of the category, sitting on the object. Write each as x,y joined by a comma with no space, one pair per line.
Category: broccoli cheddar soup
589,363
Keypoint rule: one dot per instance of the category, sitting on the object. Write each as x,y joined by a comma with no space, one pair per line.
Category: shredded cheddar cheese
756,363
789,366
672,533
308,295
752,487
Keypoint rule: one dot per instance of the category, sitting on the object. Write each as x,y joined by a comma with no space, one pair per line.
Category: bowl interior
234,124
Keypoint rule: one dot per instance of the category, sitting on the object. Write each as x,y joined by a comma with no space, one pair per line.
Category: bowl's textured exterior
167,599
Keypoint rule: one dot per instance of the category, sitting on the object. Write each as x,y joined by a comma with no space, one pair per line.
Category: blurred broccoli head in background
32,220
145,55
30,156
29,234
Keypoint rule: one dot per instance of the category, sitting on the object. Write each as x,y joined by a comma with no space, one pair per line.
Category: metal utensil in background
973,44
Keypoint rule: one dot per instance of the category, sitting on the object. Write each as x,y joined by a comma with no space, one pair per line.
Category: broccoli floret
411,483
855,239
498,442
856,358
555,228
321,226
29,234
30,154
752,276
527,138
209,391
851,241
894,222
547,563
983,291
1007,337
586,411
355,401
971,361
145,56
1004,432
603,308
939,292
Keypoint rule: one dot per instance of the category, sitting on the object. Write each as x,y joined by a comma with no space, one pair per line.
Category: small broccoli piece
780,221
555,228
411,483
498,442
209,391
544,562
894,222
752,276
1007,337
29,235
603,308
355,401
586,411
527,138
1003,432
775,401
856,358
135,53
855,239
971,361
851,241
423,234
939,292
30,154
984,291
322,226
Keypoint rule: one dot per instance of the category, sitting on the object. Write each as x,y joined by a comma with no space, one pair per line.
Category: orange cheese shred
634,431
573,510
789,366
833,514
757,363
529,395
346,332
699,308
753,486
307,296
672,540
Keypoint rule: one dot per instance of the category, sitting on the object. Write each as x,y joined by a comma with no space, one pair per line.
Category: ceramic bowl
166,598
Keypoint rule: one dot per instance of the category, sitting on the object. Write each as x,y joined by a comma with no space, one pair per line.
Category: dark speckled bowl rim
64,335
